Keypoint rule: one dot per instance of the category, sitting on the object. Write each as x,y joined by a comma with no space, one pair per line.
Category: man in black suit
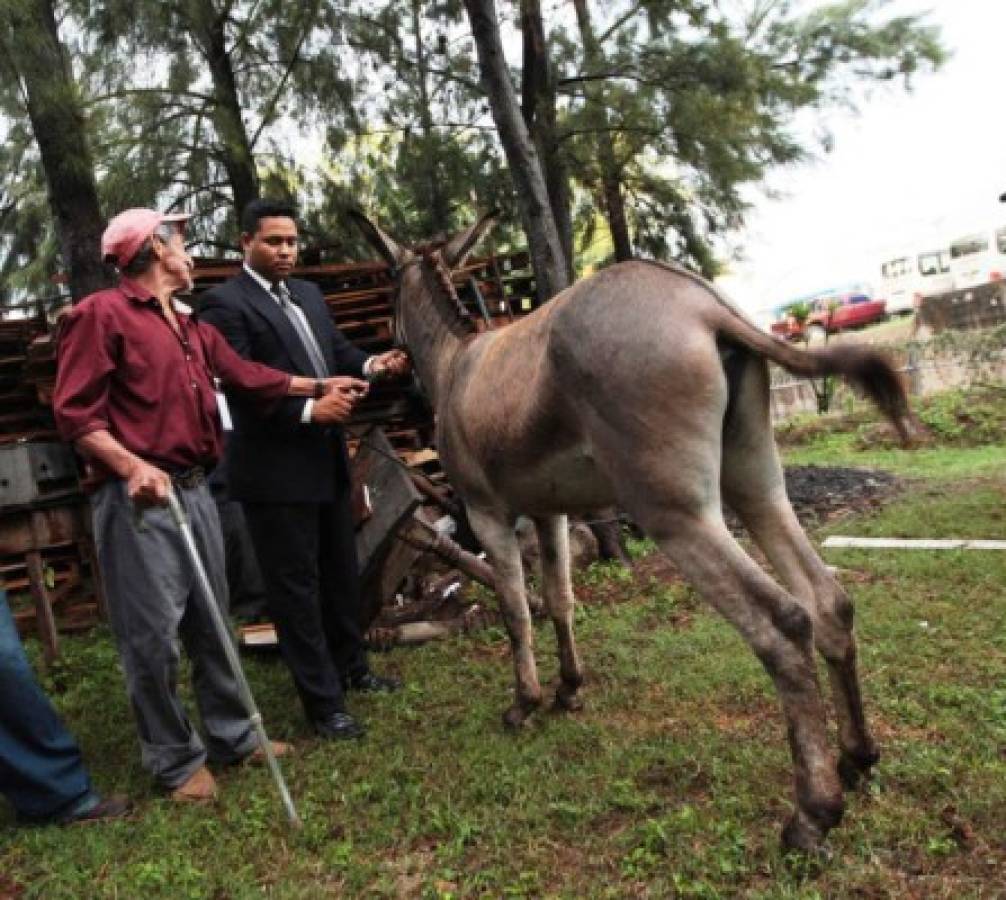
291,472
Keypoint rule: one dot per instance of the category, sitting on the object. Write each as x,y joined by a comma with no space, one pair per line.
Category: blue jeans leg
41,770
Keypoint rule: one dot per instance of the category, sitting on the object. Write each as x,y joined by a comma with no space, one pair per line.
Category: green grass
674,781
964,434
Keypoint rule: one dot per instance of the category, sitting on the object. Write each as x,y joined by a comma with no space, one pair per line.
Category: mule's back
624,362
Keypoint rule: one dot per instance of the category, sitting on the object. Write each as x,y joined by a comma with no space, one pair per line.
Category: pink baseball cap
128,230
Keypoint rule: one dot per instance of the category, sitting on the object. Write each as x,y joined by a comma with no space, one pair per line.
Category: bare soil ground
822,493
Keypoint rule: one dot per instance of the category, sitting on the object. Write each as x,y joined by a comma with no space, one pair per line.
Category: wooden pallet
54,589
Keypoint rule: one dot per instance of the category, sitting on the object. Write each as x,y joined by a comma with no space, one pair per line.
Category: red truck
831,313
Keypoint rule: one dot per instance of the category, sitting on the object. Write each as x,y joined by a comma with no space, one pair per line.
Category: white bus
905,280
978,258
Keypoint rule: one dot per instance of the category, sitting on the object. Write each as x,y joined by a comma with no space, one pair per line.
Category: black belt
188,478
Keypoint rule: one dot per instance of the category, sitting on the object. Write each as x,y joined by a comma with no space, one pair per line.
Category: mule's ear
456,250
392,252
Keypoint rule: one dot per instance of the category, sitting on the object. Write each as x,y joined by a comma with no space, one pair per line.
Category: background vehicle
978,258
841,311
829,311
907,279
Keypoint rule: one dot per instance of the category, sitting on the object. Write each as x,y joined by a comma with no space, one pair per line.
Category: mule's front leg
497,535
553,539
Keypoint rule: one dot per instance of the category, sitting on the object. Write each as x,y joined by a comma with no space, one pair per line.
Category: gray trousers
153,602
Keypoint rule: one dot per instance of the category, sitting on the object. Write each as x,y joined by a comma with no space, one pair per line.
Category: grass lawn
673,781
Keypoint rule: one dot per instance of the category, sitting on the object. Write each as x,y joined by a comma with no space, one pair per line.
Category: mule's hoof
515,718
567,702
803,837
852,768
805,833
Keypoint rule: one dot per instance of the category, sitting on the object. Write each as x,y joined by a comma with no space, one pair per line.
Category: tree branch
614,129
271,105
618,23
246,25
139,92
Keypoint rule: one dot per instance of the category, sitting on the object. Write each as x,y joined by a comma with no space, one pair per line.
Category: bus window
934,263
968,246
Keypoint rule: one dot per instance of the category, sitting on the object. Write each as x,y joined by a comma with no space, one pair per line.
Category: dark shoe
369,683
338,727
114,807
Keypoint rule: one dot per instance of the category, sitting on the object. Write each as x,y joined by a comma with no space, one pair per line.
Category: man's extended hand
342,395
390,364
147,485
354,387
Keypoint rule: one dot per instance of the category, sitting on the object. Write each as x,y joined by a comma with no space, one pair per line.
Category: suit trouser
41,771
307,553
153,601
244,579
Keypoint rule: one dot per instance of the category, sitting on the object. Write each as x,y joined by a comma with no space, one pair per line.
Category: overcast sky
910,171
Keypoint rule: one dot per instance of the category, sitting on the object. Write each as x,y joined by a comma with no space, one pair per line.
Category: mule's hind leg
778,629
775,528
754,487
553,539
496,534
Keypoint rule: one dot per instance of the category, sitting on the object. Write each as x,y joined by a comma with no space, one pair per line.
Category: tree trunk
611,171
207,28
438,220
614,200
58,124
525,168
538,90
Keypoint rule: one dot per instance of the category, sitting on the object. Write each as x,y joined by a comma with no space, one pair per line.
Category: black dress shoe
338,727
114,807
369,683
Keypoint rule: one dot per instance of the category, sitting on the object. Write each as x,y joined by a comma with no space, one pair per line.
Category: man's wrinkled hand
391,364
147,485
355,388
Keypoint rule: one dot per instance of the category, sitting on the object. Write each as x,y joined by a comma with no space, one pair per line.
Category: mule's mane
446,299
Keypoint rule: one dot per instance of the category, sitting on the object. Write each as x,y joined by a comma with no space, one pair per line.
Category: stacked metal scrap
46,557
22,416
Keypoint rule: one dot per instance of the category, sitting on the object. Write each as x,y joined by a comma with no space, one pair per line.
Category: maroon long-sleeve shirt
123,369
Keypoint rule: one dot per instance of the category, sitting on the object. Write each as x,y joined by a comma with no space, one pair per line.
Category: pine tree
42,93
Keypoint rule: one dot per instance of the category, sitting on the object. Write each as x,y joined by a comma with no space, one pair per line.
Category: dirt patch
822,493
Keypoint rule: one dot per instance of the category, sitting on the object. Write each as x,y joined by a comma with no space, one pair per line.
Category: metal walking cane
182,520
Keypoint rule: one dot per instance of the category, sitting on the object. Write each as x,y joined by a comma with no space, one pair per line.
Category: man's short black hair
265,209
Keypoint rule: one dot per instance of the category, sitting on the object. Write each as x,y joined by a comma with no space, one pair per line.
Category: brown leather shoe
200,788
279,749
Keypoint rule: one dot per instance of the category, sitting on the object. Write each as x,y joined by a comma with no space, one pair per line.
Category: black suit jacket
273,457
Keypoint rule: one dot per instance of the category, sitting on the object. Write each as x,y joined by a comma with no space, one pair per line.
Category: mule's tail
866,369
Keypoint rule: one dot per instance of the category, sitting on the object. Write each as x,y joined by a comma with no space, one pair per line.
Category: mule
642,387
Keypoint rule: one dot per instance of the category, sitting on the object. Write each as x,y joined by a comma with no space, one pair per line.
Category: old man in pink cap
136,391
